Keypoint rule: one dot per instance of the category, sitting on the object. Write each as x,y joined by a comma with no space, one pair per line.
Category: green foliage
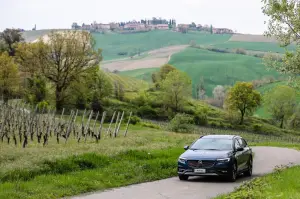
147,112
161,75
242,97
200,117
176,89
294,121
135,120
36,90
9,76
10,38
182,123
150,125
280,103
284,15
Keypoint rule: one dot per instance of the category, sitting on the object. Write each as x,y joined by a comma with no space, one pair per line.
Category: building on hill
134,26
162,26
222,31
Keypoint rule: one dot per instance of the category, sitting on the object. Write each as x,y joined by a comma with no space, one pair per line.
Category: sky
244,16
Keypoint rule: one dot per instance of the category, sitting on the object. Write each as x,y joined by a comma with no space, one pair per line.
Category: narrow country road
265,160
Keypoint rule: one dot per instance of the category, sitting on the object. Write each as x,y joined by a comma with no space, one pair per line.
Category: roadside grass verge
91,172
283,183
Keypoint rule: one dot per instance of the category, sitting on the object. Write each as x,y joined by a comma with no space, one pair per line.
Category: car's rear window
212,144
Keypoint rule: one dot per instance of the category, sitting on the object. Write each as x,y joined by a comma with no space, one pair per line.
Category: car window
243,142
212,144
236,144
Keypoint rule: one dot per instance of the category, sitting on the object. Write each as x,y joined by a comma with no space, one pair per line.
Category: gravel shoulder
265,160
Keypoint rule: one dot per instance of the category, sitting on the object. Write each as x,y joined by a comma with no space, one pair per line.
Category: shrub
134,120
182,123
147,112
213,124
149,125
200,118
240,51
257,127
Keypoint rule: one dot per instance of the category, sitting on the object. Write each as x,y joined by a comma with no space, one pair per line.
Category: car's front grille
201,163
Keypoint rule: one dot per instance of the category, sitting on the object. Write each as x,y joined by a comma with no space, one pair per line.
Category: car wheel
250,168
233,173
183,177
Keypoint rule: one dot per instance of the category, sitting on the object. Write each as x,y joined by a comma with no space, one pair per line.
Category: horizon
239,15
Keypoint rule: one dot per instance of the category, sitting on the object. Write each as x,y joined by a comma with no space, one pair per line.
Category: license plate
199,170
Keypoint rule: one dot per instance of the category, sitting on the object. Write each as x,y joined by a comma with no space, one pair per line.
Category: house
222,31
134,26
162,26
86,27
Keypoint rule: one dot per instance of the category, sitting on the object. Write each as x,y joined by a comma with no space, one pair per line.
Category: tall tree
161,75
10,38
177,88
62,58
283,24
281,103
219,95
243,98
9,76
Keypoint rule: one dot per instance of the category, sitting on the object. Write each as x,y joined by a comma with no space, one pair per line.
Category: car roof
221,136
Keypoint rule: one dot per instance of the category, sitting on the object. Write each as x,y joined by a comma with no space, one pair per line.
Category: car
216,155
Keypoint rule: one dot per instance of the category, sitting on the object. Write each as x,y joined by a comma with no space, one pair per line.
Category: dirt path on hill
154,59
265,160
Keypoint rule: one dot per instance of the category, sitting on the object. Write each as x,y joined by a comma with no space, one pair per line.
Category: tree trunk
281,123
242,117
58,98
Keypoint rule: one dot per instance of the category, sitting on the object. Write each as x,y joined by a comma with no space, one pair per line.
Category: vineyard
21,124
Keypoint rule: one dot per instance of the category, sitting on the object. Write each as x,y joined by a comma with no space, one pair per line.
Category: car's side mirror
240,149
186,147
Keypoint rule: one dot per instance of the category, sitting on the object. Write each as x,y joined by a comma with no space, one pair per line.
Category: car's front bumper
218,169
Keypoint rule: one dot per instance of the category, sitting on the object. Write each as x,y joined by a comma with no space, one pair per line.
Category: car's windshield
212,144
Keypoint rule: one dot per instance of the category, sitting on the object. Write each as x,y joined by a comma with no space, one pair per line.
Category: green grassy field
283,184
59,170
255,46
216,68
262,112
112,44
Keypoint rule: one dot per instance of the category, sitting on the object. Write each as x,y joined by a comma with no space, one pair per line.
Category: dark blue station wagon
216,155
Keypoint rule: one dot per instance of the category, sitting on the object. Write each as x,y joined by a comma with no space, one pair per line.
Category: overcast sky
245,16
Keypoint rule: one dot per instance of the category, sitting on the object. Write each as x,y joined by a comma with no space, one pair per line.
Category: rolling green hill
255,46
262,112
112,44
215,68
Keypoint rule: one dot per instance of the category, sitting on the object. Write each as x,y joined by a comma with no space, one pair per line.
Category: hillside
262,112
255,46
112,44
216,68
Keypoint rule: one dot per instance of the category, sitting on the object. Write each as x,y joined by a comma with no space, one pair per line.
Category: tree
11,37
280,103
161,75
176,88
283,24
295,119
61,59
219,95
200,89
36,89
242,97
9,76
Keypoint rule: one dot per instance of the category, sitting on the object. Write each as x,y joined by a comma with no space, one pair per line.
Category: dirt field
154,59
252,38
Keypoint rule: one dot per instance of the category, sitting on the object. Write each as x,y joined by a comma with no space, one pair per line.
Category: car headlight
182,160
224,160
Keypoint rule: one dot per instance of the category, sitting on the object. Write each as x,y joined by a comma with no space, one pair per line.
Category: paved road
265,160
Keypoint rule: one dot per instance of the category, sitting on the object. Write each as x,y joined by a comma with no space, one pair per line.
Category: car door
238,154
245,153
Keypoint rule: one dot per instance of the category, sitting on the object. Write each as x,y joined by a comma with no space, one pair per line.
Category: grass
216,68
271,186
262,112
59,170
255,46
112,44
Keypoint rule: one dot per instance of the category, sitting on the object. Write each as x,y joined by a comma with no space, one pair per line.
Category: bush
147,112
182,123
149,125
257,127
240,51
134,120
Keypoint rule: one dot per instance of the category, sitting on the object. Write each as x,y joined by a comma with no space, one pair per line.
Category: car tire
233,173
183,177
249,170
